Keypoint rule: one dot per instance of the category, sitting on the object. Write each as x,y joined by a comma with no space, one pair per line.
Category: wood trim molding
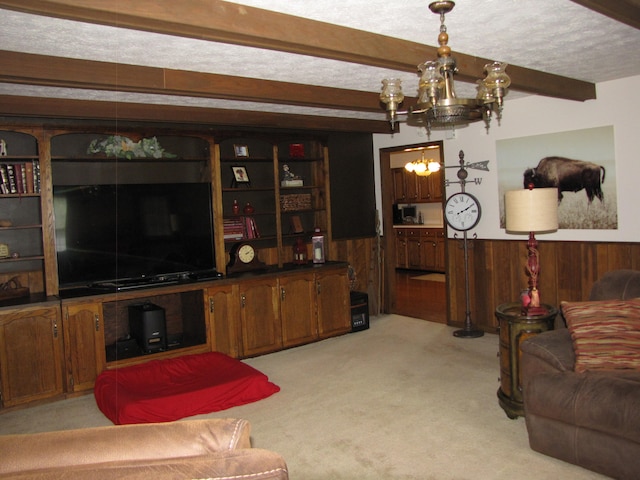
625,11
220,21
22,106
32,69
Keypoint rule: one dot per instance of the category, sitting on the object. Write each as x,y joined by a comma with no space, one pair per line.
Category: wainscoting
497,274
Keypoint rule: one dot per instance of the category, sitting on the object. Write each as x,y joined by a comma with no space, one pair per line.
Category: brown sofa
211,449
592,418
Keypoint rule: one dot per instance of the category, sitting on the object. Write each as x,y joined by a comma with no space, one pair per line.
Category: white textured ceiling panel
555,36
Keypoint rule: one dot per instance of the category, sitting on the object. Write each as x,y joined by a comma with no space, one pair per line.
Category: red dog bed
167,390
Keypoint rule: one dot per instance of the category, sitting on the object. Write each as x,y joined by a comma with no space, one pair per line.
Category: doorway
413,291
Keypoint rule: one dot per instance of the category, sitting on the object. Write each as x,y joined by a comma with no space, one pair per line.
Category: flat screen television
132,233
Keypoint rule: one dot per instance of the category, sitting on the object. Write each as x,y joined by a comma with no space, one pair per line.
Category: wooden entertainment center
54,342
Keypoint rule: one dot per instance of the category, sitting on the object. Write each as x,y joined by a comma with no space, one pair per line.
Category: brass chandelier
437,102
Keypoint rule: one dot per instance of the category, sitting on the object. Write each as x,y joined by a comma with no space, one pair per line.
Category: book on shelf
19,178
233,229
240,228
251,228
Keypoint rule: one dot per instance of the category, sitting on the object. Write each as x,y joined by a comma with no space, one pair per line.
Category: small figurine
288,174
3,148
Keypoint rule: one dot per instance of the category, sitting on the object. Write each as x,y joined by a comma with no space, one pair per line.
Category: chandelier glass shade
422,167
437,103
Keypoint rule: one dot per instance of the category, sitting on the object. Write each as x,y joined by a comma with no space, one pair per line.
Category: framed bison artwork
579,163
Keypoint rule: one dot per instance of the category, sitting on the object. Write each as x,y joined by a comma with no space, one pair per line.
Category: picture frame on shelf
296,150
241,151
296,224
240,176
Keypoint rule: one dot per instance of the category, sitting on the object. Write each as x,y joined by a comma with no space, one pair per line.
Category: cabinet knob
243,300
97,319
211,305
282,293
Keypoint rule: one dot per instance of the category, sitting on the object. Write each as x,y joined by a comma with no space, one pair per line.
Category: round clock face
462,211
246,253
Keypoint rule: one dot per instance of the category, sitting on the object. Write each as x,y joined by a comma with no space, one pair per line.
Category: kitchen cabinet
333,299
83,329
30,353
223,318
411,188
401,247
298,309
420,248
260,316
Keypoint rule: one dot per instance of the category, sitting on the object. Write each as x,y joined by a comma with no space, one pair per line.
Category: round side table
514,329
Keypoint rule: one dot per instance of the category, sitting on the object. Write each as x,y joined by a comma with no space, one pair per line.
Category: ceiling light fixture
422,167
437,102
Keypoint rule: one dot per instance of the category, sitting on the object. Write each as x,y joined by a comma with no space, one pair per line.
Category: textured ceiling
556,36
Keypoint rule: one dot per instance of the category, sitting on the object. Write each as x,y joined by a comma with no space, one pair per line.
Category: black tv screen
107,233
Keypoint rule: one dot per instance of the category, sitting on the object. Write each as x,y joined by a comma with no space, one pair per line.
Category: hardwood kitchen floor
420,298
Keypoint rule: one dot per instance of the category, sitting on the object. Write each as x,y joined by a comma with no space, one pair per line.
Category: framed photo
240,174
296,150
296,224
241,151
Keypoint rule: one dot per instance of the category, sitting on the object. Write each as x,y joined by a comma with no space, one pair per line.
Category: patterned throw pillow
605,334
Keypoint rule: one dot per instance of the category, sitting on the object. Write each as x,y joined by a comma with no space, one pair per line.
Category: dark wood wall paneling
353,201
497,273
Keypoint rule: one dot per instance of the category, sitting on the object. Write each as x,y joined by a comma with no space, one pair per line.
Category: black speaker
148,326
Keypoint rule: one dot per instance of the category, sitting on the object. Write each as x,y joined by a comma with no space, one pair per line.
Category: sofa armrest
247,463
149,441
549,351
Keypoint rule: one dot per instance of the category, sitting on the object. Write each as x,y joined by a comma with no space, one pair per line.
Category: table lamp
532,210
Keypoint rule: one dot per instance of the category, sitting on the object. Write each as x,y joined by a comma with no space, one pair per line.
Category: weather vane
462,212
463,174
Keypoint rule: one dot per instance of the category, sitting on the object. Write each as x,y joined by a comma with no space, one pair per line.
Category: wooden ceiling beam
22,106
32,69
625,11
219,21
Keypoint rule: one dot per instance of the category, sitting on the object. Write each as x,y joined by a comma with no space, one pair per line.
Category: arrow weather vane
463,174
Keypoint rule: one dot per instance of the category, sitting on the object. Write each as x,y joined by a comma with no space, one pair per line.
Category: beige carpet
430,277
402,400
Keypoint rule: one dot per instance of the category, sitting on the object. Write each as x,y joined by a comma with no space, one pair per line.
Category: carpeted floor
402,400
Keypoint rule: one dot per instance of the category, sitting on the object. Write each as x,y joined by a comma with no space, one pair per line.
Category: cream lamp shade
531,210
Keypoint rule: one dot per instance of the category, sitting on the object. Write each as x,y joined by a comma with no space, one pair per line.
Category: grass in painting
574,212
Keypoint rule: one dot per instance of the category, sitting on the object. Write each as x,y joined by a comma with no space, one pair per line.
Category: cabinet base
512,408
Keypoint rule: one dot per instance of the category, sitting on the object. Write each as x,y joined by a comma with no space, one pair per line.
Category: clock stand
468,331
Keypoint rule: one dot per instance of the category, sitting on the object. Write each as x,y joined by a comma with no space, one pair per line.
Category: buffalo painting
579,163
567,175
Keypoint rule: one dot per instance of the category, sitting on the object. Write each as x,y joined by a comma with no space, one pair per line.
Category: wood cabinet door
411,186
440,264
436,193
424,188
399,192
401,252
298,309
30,354
259,316
428,250
414,250
83,344
334,304
430,187
224,319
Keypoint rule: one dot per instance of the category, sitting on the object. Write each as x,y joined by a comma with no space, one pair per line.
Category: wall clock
462,211
243,257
